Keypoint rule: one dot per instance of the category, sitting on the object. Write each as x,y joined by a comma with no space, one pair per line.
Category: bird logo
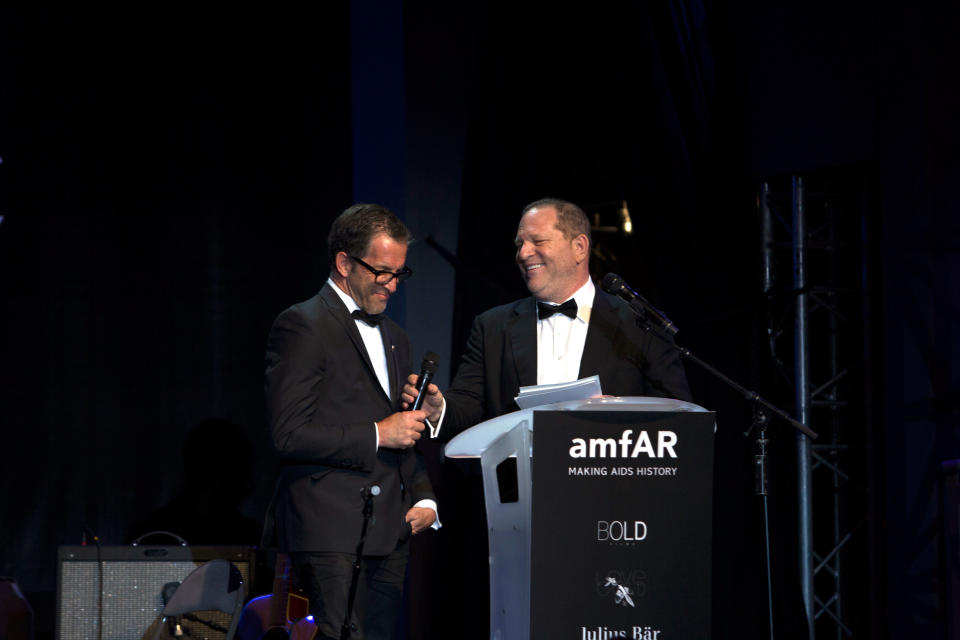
621,595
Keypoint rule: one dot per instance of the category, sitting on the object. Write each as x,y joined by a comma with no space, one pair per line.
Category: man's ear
581,246
342,263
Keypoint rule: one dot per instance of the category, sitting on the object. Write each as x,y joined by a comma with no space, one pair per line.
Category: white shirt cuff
431,504
435,430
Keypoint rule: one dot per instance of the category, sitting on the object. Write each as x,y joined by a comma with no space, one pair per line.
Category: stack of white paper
541,394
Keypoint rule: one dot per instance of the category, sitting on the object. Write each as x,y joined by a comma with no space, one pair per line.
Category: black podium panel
621,529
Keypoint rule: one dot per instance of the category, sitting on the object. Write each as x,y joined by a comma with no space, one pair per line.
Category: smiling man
334,370
553,247
567,330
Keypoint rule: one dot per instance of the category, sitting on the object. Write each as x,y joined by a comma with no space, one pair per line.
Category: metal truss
814,275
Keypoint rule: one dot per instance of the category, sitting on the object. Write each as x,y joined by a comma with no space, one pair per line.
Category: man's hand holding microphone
419,394
421,400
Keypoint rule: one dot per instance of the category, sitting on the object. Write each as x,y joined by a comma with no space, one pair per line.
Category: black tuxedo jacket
501,356
323,397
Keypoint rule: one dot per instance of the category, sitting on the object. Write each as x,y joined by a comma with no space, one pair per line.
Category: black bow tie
372,319
568,308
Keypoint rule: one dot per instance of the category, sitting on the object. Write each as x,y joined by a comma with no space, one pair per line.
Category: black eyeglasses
382,276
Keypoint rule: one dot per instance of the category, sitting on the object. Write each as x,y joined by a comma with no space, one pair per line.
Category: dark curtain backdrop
168,185
168,181
918,152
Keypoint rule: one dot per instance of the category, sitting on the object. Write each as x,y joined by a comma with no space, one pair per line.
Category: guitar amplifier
132,582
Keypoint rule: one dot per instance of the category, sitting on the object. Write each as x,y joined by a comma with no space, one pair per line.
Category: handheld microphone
427,368
614,285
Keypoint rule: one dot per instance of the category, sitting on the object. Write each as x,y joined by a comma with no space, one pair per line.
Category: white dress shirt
560,340
372,340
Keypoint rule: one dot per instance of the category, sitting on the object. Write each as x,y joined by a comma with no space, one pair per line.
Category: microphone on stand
427,368
368,493
614,285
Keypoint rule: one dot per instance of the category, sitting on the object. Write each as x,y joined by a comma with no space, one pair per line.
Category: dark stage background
168,181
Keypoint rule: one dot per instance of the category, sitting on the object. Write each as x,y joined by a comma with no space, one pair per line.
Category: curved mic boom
614,285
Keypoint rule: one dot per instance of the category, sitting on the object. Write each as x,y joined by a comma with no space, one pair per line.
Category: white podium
509,524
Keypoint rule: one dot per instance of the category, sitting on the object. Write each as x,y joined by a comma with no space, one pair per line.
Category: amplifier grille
133,592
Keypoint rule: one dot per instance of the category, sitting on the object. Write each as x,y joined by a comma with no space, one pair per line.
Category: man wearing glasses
350,480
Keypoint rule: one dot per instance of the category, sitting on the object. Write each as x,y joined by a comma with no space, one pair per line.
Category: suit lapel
594,349
393,369
339,312
522,333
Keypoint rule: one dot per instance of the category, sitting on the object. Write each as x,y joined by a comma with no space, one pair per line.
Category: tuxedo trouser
326,578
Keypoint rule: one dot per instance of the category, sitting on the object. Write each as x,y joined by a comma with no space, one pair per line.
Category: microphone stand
759,424
368,494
